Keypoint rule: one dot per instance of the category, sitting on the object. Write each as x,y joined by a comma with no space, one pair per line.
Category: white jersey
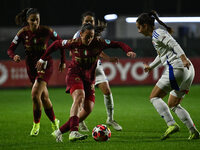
167,49
176,78
100,75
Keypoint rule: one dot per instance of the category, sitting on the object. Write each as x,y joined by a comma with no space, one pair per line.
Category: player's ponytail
21,18
100,28
154,14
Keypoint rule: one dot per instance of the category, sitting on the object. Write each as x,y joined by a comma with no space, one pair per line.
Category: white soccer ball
101,133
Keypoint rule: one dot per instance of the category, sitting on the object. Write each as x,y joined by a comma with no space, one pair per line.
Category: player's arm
156,62
118,44
179,51
55,36
108,58
58,44
13,46
171,42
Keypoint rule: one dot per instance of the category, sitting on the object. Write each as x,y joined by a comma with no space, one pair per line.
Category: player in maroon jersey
101,80
80,78
35,38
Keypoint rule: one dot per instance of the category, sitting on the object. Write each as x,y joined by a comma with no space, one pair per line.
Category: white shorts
184,79
100,75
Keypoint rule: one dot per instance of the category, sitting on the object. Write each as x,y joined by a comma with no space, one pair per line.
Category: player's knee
45,99
35,96
151,97
88,109
172,104
80,98
107,92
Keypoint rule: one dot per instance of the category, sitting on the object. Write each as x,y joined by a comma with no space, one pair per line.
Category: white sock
184,116
58,132
108,101
163,110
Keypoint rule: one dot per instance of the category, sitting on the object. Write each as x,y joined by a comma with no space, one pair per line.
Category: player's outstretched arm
108,58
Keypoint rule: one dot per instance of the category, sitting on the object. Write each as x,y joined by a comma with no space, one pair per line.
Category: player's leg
78,97
37,90
109,103
87,105
85,111
156,99
187,76
102,82
48,108
183,115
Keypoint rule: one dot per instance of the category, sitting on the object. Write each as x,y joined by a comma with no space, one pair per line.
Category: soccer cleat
83,127
194,135
75,135
57,135
170,130
35,130
55,124
114,124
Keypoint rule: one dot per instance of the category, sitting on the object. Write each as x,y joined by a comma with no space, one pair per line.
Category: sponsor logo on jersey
77,79
76,51
55,34
107,41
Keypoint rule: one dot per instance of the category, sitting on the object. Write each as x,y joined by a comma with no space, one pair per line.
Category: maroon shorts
74,82
44,75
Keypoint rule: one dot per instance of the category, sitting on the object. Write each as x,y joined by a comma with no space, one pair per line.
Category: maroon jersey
84,58
35,44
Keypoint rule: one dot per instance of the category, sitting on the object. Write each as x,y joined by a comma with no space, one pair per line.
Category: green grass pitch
142,126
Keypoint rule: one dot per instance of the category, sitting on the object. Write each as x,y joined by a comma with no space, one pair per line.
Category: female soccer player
177,79
80,76
35,38
101,80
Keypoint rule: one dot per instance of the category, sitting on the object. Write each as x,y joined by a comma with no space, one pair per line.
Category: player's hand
186,63
114,60
147,68
17,58
131,54
62,67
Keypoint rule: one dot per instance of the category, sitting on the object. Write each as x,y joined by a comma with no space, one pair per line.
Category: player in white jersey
101,79
177,78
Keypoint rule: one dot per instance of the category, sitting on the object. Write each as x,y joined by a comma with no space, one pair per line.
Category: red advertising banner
131,72
126,72
15,75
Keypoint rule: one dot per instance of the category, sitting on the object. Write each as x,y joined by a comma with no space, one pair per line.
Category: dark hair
21,18
98,28
87,26
149,18
87,13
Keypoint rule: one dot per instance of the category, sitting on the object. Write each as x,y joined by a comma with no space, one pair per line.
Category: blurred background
64,17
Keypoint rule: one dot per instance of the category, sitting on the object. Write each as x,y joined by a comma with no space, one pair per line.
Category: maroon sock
50,114
64,128
36,115
74,123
